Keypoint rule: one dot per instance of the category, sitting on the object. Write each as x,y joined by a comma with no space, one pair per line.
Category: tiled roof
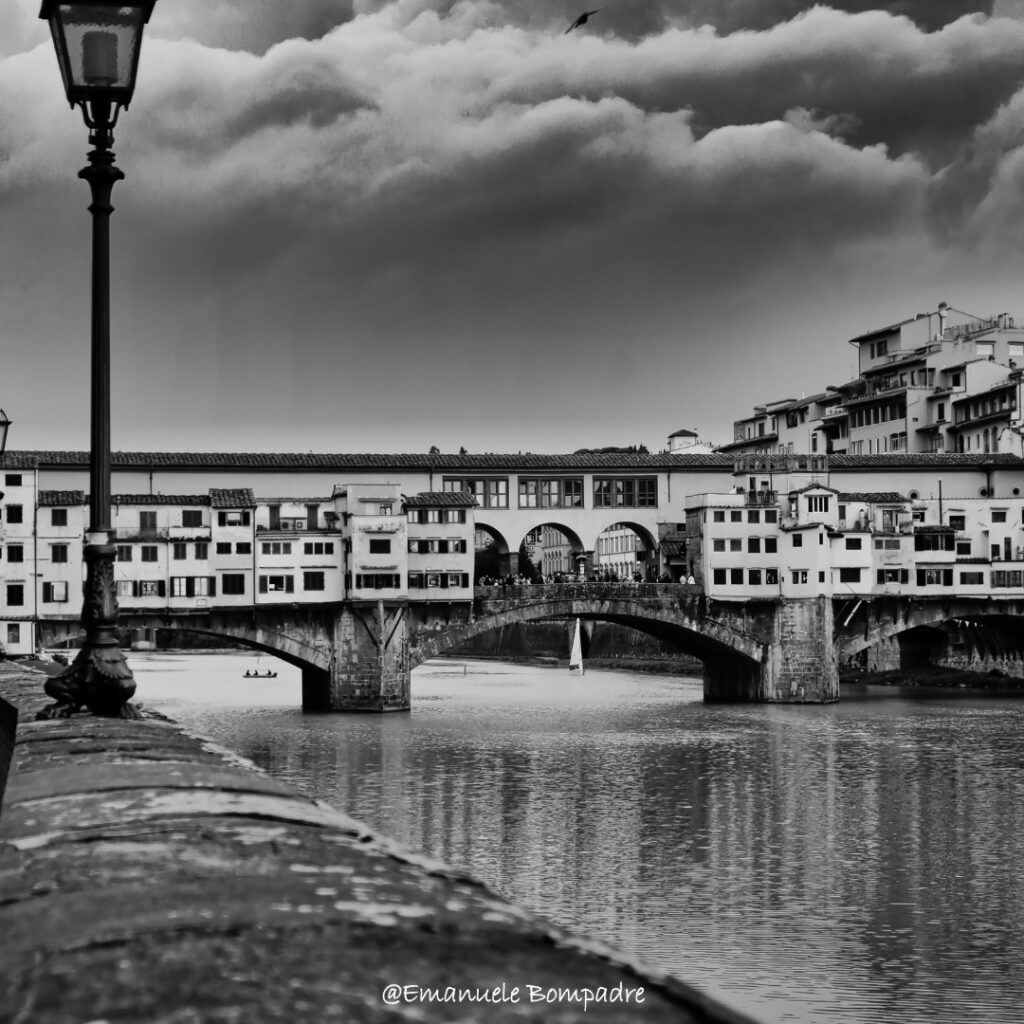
813,487
673,548
348,463
160,499
61,498
232,497
18,460
932,528
873,497
440,499
519,462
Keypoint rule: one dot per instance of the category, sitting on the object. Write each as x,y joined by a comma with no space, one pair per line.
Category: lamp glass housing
97,44
5,425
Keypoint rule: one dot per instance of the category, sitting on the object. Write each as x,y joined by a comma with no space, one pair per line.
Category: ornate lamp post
5,425
97,44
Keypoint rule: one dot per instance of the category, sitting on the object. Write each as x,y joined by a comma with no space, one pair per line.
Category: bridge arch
302,639
684,627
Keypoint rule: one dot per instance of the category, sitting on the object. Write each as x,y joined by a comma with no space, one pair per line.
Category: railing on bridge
586,589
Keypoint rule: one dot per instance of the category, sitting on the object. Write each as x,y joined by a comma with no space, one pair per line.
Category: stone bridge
358,655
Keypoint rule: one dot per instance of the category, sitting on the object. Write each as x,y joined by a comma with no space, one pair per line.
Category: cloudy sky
379,225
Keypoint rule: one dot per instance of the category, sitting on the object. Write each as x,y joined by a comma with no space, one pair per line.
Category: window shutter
161,588
212,585
263,584
289,585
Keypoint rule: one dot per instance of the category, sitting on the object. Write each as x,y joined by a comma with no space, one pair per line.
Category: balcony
123,533
761,499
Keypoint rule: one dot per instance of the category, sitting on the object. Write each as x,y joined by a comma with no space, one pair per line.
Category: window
719,577
771,577
12,479
771,545
147,521
15,594
124,552
13,633
893,575
718,516
192,517
817,503
935,577
383,509
58,517
985,349
963,548
771,515
542,492
853,544
735,517
458,515
149,552
277,584
736,576
625,492
848,575
388,580
58,553
243,547
718,545
972,578
191,586
55,593
754,516
380,547
313,581
232,583
152,588
180,551
14,514
124,588
754,577
798,540
736,544
998,515
489,493
15,553
202,550
799,576
277,547
223,547
233,518
455,579
754,545
319,547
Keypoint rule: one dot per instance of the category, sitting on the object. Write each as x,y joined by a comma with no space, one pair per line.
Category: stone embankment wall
147,876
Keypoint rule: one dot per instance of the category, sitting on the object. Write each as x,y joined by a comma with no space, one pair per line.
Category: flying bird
581,20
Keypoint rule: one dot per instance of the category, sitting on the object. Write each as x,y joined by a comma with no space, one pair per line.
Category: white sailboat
576,654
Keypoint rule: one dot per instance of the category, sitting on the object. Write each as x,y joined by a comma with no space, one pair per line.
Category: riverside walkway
147,876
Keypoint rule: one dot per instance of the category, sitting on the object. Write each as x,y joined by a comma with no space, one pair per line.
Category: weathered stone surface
173,891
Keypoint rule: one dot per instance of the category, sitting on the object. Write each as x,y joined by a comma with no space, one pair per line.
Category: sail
576,655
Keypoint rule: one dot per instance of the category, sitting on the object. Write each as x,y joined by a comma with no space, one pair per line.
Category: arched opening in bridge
551,553
626,552
492,560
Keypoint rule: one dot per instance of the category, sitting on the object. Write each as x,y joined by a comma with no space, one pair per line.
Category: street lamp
97,44
5,425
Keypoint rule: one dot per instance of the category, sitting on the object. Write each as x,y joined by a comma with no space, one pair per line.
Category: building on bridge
804,537
189,553
945,381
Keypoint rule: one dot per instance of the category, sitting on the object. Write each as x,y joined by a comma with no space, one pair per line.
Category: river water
854,863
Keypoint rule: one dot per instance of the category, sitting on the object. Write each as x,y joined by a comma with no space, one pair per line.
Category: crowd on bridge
606,576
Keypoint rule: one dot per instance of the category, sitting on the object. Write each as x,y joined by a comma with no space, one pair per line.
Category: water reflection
856,862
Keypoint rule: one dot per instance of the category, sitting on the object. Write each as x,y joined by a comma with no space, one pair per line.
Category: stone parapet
146,875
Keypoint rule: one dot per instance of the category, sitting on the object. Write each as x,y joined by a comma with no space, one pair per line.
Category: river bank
937,676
